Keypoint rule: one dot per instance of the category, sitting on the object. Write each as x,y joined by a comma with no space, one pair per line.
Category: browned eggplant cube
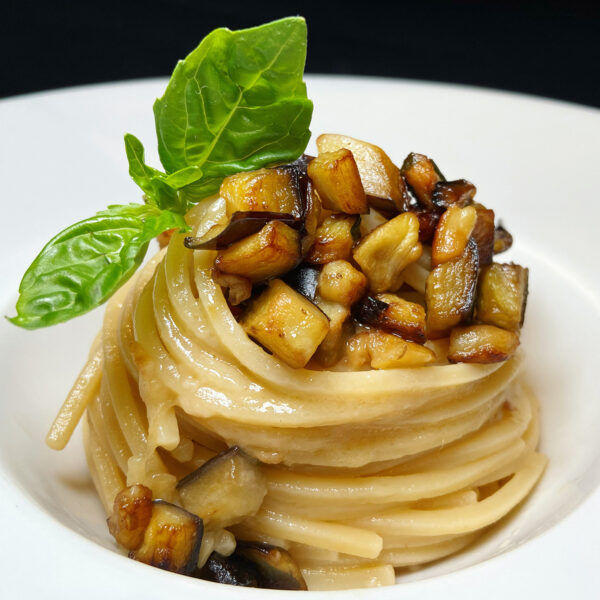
379,175
453,193
452,234
274,250
340,282
503,240
385,252
270,190
286,323
328,352
336,177
422,175
224,490
334,239
502,295
312,218
172,539
132,510
481,344
450,292
390,312
276,567
483,234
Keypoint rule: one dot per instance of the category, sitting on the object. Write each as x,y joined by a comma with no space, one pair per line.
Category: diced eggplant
304,279
276,567
502,295
328,352
334,239
311,219
384,253
337,180
453,193
286,323
172,539
340,282
379,175
392,313
428,221
452,234
224,490
502,240
450,292
382,350
238,288
239,226
132,510
265,190
274,250
421,174
481,344
483,234
231,570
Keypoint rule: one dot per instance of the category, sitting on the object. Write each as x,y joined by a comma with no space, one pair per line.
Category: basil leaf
154,183
236,103
86,263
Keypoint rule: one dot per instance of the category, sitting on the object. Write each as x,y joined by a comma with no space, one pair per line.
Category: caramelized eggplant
337,180
453,193
276,567
384,253
450,292
334,239
392,313
238,288
502,295
230,570
428,221
224,490
502,240
452,234
481,344
421,174
132,510
483,234
380,177
286,323
172,539
274,250
304,279
340,282
311,219
328,352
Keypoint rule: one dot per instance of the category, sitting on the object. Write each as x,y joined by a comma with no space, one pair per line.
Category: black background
549,48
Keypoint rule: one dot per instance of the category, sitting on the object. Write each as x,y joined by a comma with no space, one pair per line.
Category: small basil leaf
85,264
236,103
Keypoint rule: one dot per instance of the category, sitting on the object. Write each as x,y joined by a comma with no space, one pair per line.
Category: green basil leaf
85,264
236,103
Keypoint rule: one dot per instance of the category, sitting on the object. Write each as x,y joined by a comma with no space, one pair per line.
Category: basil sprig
236,103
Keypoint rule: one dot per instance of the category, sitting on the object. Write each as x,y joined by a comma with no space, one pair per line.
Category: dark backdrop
550,48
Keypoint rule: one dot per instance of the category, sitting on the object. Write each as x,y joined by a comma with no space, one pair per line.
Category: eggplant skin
132,510
276,567
230,570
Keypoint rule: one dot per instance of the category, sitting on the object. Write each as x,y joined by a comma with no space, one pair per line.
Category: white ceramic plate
534,161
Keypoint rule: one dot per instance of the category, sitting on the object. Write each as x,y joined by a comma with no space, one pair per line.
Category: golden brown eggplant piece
421,174
453,193
286,323
337,180
238,288
450,292
334,239
502,295
502,240
483,234
481,344
452,234
172,539
328,352
268,190
274,250
276,567
385,252
132,510
312,218
390,312
340,282
428,221
224,490
380,177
